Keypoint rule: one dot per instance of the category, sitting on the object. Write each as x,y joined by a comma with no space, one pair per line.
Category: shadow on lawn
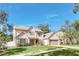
12,51
68,52
64,52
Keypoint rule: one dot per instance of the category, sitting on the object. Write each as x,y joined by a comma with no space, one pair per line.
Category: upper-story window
39,34
30,32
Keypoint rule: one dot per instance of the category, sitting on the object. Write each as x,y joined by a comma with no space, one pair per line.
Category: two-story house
34,36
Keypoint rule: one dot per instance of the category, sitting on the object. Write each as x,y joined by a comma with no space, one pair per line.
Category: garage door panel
53,42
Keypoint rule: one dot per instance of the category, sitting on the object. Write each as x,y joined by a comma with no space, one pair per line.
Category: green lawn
64,52
20,50
25,50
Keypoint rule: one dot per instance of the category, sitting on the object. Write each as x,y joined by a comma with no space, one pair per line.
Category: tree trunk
70,41
66,41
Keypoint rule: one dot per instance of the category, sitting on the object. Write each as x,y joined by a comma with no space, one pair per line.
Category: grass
20,50
64,52
11,51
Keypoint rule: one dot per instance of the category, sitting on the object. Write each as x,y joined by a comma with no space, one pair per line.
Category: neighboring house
34,36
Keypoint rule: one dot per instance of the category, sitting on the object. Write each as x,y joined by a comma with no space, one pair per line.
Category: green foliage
3,17
71,32
76,8
64,52
4,37
76,25
3,21
44,28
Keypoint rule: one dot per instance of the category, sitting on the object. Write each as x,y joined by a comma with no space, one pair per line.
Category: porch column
14,35
34,41
28,40
58,41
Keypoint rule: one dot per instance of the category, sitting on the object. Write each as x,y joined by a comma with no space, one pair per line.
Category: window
39,34
44,35
22,41
30,32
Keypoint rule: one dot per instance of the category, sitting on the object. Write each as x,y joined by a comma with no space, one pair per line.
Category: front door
34,41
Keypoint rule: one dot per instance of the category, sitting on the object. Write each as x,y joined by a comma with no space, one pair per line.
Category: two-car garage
53,38
54,42
56,39
51,42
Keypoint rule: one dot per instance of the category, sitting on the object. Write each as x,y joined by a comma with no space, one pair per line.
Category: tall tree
44,28
69,32
76,25
3,26
70,35
66,26
3,21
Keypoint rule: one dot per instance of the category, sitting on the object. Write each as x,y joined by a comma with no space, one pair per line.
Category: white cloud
51,16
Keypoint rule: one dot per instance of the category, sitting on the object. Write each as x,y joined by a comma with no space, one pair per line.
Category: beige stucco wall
11,44
45,42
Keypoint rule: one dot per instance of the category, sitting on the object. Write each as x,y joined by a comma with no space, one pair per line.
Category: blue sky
34,14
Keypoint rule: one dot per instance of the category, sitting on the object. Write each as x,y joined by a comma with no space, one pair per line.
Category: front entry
34,41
